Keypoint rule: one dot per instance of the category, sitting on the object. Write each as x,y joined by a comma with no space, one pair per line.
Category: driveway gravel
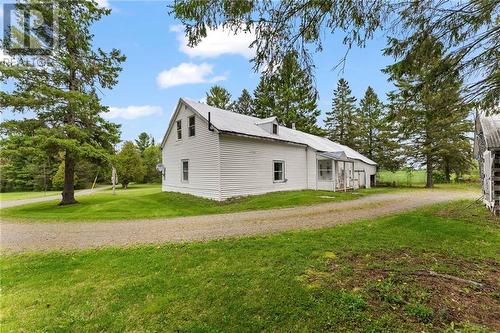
19,237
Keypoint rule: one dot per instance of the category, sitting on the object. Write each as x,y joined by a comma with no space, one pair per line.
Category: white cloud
103,3
217,42
132,112
188,73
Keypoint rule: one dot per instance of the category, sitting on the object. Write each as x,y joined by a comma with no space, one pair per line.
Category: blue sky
160,68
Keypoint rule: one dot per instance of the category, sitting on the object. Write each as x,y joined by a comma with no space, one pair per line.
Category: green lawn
358,277
147,201
7,196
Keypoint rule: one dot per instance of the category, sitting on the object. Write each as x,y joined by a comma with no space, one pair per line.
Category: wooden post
345,179
114,179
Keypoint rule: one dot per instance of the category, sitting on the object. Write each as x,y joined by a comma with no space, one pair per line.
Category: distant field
404,178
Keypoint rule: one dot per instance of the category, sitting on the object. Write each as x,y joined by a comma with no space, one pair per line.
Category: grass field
367,276
415,178
147,201
7,196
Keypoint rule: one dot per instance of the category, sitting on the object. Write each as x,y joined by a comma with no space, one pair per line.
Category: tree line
446,56
425,122
28,169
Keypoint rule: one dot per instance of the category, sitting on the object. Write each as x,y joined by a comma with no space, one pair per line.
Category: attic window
179,129
191,126
275,128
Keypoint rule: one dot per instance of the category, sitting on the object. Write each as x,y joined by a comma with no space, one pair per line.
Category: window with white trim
179,129
325,170
191,130
278,171
185,171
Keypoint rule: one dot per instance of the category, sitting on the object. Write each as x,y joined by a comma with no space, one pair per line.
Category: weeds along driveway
18,237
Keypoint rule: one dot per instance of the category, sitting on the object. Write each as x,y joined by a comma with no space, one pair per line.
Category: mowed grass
8,196
302,281
147,201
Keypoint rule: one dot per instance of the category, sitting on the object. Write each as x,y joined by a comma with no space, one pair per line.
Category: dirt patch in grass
428,290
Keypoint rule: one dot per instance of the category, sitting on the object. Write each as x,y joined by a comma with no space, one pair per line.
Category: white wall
369,170
202,151
247,166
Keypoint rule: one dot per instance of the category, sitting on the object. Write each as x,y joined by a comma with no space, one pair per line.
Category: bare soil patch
430,290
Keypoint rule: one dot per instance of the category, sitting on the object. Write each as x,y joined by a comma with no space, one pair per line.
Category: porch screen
325,170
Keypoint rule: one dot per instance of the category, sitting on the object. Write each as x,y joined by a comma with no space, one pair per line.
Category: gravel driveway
18,237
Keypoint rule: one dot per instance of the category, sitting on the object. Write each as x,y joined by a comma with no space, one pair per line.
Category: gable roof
235,123
490,129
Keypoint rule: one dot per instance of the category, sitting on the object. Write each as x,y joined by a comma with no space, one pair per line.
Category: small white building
220,154
487,152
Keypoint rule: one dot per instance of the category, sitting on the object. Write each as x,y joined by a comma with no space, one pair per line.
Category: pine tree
264,98
144,141
219,97
244,104
377,138
290,96
341,122
427,106
63,95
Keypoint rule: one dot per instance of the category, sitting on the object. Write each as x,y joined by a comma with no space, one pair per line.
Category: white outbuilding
219,154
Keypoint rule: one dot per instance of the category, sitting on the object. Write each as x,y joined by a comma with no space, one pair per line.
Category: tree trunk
429,183
68,194
447,172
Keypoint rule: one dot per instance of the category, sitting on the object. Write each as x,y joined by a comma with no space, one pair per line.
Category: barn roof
232,122
489,126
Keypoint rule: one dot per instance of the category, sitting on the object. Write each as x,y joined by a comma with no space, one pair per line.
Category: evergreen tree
264,98
341,122
129,165
144,141
377,137
63,95
290,96
244,104
427,106
219,97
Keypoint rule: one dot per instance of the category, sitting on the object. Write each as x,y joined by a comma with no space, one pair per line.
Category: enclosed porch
336,172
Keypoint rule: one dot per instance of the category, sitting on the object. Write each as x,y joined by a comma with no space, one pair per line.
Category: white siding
369,170
202,151
247,166
312,169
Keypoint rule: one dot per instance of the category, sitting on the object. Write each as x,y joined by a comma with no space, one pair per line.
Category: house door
341,175
372,180
361,178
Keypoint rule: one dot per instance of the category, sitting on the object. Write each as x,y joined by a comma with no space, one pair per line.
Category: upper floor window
275,128
191,129
179,129
278,171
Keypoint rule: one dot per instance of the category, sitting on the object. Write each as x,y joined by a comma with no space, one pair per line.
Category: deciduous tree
129,165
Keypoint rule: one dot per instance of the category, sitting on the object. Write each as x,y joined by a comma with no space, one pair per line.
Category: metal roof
490,127
232,122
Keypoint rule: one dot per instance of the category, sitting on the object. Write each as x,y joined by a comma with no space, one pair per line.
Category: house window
185,170
275,128
191,126
179,129
278,171
325,170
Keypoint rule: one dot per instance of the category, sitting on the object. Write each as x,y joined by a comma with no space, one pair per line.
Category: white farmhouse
220,154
